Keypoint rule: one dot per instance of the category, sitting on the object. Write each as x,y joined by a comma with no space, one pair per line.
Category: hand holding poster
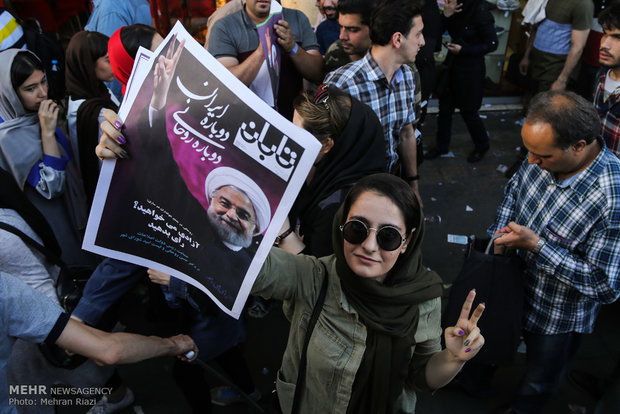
213,173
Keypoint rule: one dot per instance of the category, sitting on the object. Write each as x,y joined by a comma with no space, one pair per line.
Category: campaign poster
212,174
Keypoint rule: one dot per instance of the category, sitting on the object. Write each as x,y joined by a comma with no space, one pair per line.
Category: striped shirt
394,102
578,268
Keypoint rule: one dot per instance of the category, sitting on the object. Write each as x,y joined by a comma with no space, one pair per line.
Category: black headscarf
389,310
358,151
12,197
82,83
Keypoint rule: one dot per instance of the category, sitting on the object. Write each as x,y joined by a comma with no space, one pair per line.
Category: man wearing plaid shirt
382,80
607,94
561,210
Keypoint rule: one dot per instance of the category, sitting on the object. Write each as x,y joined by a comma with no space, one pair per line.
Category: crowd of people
348,257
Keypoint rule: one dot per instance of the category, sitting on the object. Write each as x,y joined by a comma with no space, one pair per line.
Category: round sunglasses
388,237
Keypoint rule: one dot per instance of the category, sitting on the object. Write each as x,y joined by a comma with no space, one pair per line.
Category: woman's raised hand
111,138
452,6
164,71
464,340
48,118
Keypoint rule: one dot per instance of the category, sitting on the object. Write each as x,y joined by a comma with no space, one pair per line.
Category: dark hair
135,36
610,17
361,7
393,16
24,65
97,44
326,118
572,118
392,187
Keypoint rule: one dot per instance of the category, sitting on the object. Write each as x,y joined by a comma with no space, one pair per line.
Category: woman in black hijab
472,29
353,147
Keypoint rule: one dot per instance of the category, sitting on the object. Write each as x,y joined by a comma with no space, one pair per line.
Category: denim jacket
338,342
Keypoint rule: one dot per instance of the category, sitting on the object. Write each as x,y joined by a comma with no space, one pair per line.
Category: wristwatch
539,245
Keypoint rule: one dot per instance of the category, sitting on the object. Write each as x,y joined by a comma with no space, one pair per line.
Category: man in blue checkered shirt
383,81
561,210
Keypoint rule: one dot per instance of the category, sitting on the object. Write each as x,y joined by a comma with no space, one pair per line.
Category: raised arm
308,63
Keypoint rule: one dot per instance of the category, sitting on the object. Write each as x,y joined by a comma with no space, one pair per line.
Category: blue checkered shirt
578,268
394,103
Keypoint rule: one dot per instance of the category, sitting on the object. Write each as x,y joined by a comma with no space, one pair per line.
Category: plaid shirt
394,103
609,111
578,268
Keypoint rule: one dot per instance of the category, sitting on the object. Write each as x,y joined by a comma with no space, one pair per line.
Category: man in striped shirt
561,211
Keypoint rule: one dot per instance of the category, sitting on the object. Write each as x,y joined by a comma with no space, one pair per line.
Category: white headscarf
20,133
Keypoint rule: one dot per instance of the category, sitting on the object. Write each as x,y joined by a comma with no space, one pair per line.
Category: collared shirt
338,342
393,102
578,268
609,110
109,16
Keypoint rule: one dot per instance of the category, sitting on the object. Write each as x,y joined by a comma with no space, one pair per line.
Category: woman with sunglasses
377,339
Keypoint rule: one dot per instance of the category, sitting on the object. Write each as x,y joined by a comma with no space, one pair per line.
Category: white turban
226,176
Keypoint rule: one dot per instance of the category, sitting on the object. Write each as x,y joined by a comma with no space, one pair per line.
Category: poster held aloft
212,175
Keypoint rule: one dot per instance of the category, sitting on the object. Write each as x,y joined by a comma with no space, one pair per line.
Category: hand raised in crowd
158,277
285,36
451,7
464,340
517,237
111,138
164,71
48,117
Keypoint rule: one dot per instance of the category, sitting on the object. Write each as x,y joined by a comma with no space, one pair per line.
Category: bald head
571,117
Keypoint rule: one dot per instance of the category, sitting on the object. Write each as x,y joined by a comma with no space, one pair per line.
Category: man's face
232,215
609,52
413,41
329,8
258,8
539,140
354,35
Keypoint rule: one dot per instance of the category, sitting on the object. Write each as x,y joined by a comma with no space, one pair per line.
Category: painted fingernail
124,155
461,333
483,304
122,140
468,349
118,124
474,289
115,156
467,342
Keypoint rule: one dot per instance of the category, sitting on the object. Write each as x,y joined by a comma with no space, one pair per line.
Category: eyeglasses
388,237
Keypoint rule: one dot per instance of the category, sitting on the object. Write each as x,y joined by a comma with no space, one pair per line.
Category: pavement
459,199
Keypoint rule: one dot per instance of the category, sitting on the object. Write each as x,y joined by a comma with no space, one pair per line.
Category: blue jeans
548,358
110,280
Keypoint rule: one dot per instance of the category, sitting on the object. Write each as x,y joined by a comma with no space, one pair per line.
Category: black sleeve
59,326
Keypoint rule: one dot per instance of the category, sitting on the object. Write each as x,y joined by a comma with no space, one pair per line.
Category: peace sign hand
164,71
464,340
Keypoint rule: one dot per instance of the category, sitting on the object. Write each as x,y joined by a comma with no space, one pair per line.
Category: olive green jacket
338,342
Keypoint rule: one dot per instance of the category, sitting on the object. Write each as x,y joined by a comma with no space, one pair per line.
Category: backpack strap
318,307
